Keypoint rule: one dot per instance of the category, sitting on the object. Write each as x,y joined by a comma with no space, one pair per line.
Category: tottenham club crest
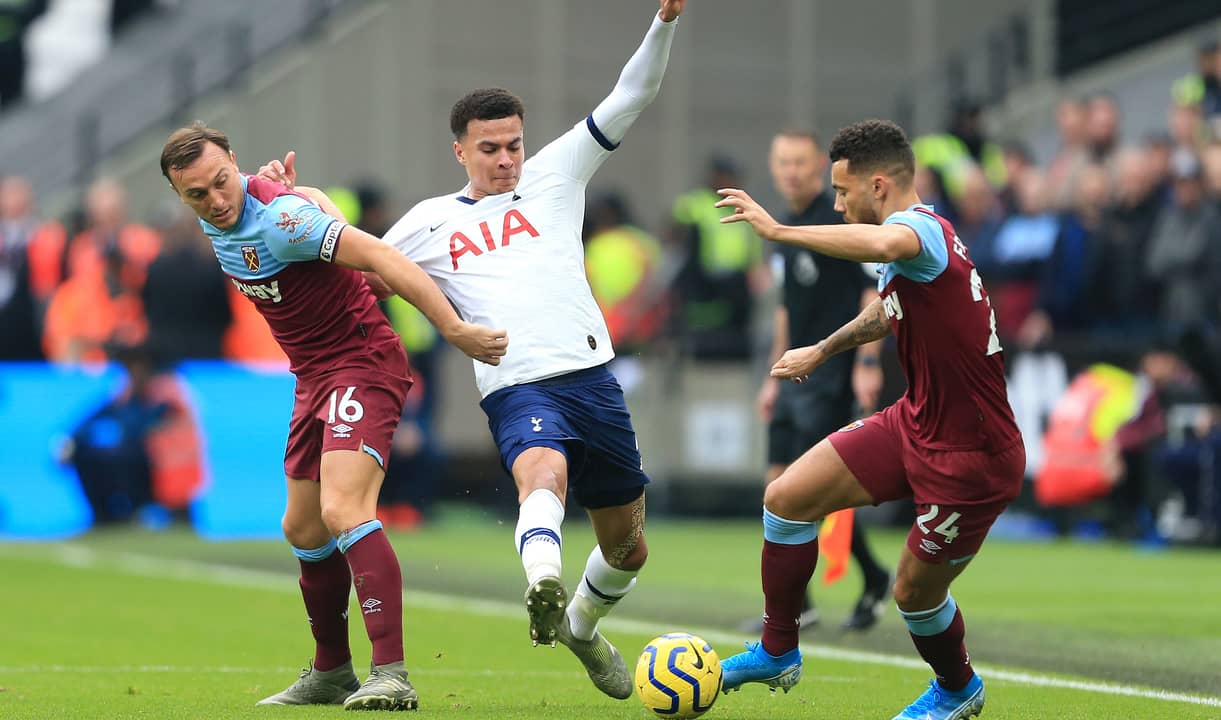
251,255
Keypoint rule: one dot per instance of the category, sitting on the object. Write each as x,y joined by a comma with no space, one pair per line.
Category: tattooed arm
870,325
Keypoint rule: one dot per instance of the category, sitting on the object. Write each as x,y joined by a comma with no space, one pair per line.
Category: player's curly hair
875,146
186,144
484,104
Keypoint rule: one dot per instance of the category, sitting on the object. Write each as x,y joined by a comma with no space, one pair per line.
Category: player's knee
779,499
338,517
304,534
912,596
540,478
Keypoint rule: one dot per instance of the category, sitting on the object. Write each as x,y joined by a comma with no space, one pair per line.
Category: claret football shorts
958,493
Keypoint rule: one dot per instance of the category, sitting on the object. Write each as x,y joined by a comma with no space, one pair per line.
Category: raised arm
640,80
870,325
359,250
860,242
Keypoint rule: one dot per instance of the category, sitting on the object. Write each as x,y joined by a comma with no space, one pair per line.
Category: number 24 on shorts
947,528
347,408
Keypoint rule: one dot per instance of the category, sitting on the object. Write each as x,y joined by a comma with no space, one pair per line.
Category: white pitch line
193,571
423,670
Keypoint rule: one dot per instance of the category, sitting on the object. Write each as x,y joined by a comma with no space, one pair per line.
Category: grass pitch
129,624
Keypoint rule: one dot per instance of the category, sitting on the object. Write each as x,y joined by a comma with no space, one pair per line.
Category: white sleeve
579,152
638,83
404,235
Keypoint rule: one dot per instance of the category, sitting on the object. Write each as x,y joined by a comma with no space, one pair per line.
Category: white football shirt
515,261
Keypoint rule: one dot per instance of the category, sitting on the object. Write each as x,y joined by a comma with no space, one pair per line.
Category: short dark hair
186,144
875,145
484,104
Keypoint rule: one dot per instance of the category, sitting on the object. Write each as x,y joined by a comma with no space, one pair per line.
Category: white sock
538,535
601,588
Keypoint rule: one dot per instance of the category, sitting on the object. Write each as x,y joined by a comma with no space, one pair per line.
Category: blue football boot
937,703
757,665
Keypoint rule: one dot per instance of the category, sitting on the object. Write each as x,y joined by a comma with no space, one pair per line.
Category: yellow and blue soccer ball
678,676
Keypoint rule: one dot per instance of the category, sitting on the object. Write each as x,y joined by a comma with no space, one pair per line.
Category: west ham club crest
251,256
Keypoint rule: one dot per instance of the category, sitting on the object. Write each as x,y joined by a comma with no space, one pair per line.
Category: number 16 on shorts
343,407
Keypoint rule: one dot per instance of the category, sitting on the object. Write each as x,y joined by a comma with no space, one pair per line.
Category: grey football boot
317,687
603,663
386,688
546,604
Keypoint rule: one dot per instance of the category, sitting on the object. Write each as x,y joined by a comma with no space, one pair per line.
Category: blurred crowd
1106,254
1103,263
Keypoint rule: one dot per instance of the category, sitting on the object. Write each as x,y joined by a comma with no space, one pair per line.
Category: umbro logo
929,546
371,606
342,430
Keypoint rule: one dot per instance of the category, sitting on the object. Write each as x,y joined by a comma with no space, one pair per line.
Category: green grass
130,624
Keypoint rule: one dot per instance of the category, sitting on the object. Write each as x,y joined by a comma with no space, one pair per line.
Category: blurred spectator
951,154
19,317
108,448
106,265
1159,148
1023,246
1019,163
93,309
109,232
622,263
979,219
721,271
43,242
1138,489
185,296
1186,127
1118,286
1202,88
1102,127
1071,155
1181,258
15,17
1062,305
1210,160
931,190
375,215
1190,462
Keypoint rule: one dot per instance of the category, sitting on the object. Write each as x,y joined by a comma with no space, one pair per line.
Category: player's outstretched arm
640,80
870,325
360,250
860,242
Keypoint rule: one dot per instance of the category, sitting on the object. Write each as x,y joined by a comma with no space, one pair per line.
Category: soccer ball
678,676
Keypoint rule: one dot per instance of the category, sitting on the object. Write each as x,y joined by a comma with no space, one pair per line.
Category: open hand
480,343
284,173
745,208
